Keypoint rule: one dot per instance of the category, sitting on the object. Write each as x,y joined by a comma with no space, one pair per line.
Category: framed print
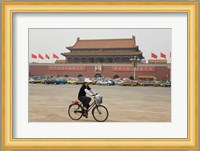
100,75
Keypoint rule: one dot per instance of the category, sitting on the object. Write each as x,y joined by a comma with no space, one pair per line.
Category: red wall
161,72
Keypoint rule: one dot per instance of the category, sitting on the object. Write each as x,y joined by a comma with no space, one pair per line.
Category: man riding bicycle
85,89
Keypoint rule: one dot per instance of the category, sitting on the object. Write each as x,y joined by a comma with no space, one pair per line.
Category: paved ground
49,103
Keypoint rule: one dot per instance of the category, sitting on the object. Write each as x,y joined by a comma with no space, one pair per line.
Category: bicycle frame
92,105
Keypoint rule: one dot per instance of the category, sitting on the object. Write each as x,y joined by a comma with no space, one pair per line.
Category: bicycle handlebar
94,94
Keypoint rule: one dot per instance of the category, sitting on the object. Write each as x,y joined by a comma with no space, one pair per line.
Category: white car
31,80
104,82
118,81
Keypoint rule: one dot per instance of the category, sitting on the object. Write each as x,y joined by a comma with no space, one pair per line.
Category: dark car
50,81
59,80
166,84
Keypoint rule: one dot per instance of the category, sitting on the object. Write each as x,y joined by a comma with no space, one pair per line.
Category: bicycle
99,112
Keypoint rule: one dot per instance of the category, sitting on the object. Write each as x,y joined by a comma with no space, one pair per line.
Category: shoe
85,115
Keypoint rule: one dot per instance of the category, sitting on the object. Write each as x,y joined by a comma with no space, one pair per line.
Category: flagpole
160,56
170,56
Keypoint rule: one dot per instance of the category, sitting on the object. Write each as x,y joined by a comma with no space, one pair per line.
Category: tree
80,75
115,77
131,78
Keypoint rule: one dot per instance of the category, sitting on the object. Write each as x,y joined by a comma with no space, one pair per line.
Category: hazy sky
49,41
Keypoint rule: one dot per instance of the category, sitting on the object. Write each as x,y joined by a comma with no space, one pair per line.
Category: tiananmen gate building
103,57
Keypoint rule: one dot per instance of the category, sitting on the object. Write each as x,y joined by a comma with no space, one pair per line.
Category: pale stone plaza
49,103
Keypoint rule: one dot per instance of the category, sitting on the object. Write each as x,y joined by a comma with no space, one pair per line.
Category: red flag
162,55
47,56
55,56
40,56
153,55
34,56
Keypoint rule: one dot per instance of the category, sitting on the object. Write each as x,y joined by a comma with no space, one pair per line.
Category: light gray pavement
49,103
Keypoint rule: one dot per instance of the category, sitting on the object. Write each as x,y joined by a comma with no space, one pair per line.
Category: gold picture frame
8,142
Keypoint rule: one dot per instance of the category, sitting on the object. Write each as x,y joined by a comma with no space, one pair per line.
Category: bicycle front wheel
100,113
75,111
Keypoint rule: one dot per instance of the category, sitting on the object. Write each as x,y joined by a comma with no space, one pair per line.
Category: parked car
61,80
38,79
125,79
136,81
129,83
147,83
80,80
118,81
111,82
166,84
72,81
31,80
157,83
105,82
50,81
140,82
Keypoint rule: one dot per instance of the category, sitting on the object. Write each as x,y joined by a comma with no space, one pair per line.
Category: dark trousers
85,100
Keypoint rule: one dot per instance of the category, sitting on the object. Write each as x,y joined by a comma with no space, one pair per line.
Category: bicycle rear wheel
75,111
100,113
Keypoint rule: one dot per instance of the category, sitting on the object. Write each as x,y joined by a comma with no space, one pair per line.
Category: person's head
87,81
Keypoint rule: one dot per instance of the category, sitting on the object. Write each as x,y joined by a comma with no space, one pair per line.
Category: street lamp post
134,62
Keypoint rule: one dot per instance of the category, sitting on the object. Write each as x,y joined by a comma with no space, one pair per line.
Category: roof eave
71,48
